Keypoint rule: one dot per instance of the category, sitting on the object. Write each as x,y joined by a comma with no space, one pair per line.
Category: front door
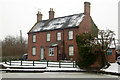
42,53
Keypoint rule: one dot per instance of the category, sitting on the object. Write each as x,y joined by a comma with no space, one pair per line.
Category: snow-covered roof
58,23
112,45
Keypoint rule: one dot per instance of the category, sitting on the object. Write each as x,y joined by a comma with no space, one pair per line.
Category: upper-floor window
33,51
109,52
59,36
51,51
34,38
48,36
70,34
71,50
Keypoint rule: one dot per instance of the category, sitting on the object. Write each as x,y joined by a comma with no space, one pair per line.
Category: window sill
70,39
50,56
58,40
70,55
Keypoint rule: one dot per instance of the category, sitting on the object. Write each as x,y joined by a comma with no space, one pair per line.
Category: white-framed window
33,51
58,35
71,50
70,34
51,51
48,36
34,38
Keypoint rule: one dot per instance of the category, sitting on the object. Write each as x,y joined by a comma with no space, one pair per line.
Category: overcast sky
16,15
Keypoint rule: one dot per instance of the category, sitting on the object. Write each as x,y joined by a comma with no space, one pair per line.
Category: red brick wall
112,58
85,25
41,40
70,42
51,58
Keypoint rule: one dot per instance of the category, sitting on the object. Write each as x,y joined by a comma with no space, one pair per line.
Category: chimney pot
39,16
39,12
51,9
51,14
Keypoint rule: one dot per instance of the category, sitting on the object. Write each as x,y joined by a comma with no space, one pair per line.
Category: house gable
94,28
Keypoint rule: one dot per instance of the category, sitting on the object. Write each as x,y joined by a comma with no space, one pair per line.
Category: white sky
16,15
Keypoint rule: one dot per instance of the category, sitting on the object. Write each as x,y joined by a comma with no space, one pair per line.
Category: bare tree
12,47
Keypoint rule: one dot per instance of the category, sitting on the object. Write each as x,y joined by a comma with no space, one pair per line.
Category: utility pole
21,36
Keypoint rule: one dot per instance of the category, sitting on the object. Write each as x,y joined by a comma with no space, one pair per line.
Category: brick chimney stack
51,13
87,8
39,16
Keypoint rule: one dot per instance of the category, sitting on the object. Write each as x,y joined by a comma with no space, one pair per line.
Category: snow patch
112,68
56,23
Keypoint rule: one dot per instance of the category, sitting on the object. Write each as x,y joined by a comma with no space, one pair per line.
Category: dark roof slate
58,23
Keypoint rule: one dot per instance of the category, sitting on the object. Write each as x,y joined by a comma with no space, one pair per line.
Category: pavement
56,75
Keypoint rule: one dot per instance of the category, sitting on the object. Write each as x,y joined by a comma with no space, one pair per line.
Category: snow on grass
37,64
45,70
5,65
112,68
53,66
28,66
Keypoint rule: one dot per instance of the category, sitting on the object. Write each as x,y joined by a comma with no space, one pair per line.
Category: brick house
55,39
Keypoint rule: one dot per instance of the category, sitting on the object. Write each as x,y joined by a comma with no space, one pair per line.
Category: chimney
51,13
39,16
87,8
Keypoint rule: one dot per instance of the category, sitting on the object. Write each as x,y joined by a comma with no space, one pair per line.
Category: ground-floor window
33,51
51,51
71,50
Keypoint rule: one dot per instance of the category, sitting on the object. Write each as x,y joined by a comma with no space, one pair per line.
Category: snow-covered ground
40,66
113,68
52,66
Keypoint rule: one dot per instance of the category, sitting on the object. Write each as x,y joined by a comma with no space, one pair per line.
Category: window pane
33,51
51,51
59,36
48,36
70,34
34,38
71,50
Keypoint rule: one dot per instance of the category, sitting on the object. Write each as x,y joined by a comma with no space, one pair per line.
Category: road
56,75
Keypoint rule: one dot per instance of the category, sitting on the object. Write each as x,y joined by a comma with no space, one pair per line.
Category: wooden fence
39,63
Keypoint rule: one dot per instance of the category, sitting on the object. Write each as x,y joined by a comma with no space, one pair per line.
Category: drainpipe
63,56
58,53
